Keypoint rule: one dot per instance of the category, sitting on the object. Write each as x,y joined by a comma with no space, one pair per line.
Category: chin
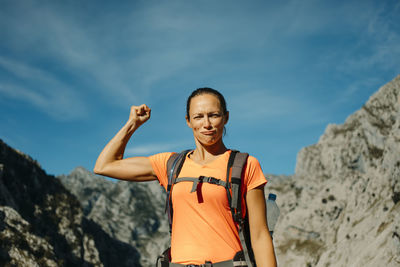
209,142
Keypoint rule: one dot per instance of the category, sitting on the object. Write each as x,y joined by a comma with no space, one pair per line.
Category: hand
139,115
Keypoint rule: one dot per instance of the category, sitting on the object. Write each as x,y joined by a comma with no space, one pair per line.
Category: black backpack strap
174,165
236,164
164,259
228,178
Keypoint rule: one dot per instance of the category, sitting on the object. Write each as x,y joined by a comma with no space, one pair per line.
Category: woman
202,231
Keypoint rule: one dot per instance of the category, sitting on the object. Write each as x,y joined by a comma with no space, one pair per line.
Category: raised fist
139,114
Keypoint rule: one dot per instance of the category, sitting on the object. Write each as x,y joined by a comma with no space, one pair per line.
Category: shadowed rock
42,224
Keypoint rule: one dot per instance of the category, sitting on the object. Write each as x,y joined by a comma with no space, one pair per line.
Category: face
206,119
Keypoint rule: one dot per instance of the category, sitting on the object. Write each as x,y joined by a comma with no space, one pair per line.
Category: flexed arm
111,162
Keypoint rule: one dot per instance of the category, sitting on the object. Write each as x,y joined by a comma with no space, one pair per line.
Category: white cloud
123,55
260,104
17,92
42,90
66,39
266,105
377,44
354,89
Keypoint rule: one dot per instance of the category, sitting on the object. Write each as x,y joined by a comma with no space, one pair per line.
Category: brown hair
206,90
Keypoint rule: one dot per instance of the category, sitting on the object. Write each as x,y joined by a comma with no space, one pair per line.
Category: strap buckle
206,264
210,180
204,179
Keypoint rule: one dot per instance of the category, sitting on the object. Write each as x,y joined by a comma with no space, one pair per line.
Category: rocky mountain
342,206
130,212
43,224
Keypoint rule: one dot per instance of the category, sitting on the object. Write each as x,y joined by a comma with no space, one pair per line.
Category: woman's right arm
111,162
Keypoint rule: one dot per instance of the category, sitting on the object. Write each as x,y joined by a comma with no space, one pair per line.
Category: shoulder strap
174,165
236,163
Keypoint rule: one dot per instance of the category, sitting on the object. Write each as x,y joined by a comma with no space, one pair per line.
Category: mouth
208,132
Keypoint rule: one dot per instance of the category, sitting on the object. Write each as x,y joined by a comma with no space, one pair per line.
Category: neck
203,152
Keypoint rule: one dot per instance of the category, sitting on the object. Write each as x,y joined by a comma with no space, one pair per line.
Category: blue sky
70,70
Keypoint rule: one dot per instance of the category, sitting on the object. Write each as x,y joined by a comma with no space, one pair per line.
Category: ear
188,122
226,117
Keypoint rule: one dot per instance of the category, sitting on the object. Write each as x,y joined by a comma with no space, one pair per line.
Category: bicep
137,169
255,200
261,241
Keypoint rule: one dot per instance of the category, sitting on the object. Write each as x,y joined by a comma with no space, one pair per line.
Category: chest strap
228,263
201,179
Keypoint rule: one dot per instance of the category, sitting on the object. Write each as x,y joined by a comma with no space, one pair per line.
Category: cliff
130,212
42,224
342,206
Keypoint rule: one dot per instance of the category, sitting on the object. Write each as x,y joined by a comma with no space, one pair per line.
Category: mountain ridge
344,193
340,208
42,223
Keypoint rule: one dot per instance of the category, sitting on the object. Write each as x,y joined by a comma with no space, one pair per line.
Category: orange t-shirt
203,228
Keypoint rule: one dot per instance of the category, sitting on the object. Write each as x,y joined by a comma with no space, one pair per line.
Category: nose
207,123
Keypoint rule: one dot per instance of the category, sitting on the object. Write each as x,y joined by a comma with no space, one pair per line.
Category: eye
198,116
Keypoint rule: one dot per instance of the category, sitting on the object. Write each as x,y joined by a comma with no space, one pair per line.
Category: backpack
233,185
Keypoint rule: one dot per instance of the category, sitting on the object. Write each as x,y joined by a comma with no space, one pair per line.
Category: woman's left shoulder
252,160
253,174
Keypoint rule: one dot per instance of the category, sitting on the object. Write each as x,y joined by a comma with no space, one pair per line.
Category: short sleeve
159,164
254,175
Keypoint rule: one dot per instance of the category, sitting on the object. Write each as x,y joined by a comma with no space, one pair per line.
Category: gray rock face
42,224
85,186
342,206
130,212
